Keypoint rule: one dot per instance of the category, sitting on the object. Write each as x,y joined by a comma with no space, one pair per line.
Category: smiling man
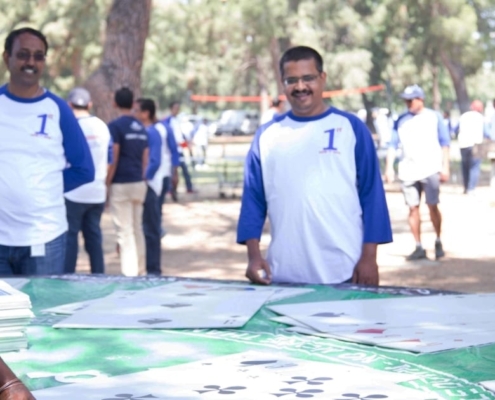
43,153
315,173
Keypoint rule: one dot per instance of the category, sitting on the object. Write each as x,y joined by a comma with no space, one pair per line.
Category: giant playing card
245,376
419,324
172,307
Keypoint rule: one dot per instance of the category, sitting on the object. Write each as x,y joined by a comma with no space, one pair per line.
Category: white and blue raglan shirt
421,137
101,148
43,153
318,180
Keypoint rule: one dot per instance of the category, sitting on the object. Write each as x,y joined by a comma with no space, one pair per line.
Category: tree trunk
126,32
275,57
458,77
437,98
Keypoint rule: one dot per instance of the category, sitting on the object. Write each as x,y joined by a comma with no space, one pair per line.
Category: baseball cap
79,97
413,92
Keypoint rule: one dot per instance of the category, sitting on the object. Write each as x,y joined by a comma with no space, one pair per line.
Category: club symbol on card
328,315
359,396
313,381
153,321
176,305
221,390
130,397
302,394
193,294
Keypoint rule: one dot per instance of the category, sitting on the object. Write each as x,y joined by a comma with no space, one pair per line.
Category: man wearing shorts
424,164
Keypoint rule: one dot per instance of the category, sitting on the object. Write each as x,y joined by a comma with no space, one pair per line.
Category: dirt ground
201,230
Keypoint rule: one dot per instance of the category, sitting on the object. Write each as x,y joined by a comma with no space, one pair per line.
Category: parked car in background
237,122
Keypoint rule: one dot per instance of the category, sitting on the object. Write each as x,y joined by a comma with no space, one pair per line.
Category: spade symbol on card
328,315
314,381
221,390
126,396
176,305
357,396
153,321
193,294
303,394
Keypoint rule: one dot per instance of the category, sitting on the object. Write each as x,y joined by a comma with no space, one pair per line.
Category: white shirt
471,129
305,172
422,137
42,153
165,168
98,138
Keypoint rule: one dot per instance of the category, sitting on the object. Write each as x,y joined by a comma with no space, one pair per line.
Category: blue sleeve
394,138
155,145
487,131
443,132
172,146
110,151
376,219
80,168
253,205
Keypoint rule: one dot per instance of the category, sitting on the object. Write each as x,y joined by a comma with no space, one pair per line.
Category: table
59,356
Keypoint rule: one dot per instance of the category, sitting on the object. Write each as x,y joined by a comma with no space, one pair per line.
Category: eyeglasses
26,56
293,80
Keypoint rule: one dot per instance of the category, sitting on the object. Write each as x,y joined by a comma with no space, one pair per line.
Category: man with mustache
315,173
43,153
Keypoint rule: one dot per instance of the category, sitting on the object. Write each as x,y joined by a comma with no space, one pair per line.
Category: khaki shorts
412,190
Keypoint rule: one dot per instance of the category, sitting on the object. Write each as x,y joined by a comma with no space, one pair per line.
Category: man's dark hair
147,105
299,53
76,107
124,98
9,41
173,103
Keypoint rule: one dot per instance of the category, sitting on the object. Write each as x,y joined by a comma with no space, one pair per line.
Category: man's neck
125,111
24,92
81,113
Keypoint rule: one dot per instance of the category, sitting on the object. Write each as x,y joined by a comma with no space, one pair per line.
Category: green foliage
232,47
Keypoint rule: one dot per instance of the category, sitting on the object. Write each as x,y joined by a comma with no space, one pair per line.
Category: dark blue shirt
132,138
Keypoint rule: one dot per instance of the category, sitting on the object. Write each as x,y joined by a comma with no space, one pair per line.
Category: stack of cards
419,324
178,305
246,376
15,315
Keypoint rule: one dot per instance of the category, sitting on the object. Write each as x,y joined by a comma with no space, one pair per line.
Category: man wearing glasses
315,173
424,163
43,153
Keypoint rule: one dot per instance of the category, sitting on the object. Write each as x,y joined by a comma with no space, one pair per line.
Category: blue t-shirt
132,138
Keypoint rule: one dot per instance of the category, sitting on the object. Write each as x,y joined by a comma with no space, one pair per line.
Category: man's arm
113,167
11,388
444,140
376,220
146,156
155,153
253,215
80,168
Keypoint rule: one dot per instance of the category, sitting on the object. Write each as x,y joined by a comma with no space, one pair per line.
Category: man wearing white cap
424,163
86,203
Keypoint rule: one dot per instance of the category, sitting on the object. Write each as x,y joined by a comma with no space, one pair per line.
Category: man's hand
366,273
390,176
253,270
16,391
366,270
445,175
175,178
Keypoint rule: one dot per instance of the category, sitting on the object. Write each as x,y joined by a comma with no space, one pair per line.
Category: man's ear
5,57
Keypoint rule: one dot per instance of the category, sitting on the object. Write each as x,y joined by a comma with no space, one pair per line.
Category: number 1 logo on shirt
331,141
42,132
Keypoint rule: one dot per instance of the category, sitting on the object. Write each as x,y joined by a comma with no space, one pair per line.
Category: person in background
43,153
86,204
145,112
126,181
424,165
182,144
275,109
472,132
200,141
